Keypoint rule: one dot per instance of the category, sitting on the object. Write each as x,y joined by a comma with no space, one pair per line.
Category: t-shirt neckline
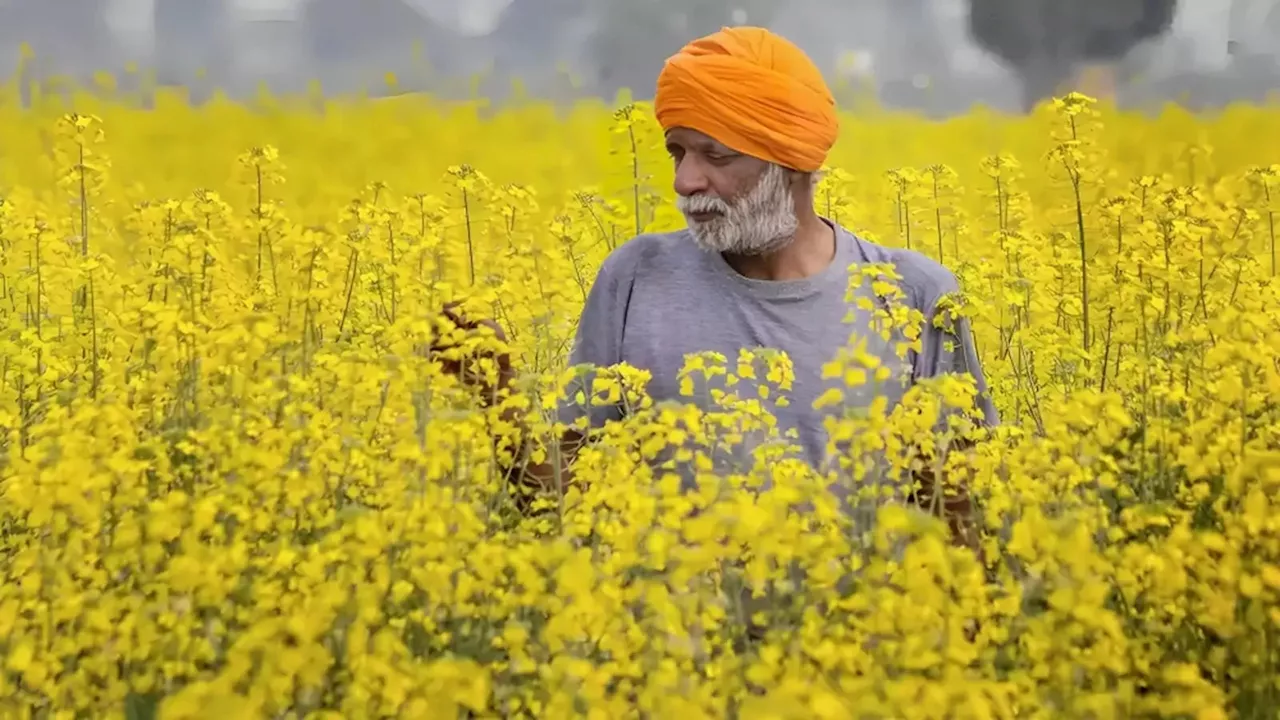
835,271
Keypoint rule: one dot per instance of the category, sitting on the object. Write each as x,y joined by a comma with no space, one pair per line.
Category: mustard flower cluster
237,479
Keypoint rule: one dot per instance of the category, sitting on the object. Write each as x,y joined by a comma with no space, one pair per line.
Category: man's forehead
691,139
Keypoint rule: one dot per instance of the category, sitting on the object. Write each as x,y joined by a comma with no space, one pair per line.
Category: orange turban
755,93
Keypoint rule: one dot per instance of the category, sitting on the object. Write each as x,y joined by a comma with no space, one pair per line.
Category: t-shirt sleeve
598,343
947,346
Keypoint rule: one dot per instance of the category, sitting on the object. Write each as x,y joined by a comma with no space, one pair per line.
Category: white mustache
701,203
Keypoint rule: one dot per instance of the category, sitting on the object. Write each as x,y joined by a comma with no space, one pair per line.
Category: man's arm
948,347
952,504
553,473
555,469
598,343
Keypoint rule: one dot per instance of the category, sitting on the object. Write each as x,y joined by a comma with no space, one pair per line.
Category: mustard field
236,481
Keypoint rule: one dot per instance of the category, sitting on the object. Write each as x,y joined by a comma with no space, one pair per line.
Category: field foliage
236,483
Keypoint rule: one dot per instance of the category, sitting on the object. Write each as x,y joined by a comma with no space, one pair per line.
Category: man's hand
955,507
553,472
462,370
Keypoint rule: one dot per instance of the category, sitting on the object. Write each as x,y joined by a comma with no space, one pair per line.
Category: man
749,122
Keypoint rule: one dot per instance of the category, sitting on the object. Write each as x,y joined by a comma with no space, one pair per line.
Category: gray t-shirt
660,297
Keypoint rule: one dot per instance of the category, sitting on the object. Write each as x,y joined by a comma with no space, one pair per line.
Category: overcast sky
854,34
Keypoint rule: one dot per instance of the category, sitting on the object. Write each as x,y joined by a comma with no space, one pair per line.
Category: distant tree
367,38
192,43
69,37
534,37
1047,42
633,38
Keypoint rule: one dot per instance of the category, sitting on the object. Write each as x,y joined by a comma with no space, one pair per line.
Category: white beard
762,222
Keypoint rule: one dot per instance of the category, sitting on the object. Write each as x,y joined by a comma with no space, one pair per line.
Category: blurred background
935,56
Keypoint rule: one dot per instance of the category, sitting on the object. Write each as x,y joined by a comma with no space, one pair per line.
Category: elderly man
749,122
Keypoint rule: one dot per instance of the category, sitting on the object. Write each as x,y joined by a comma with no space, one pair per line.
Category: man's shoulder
647,251
924,279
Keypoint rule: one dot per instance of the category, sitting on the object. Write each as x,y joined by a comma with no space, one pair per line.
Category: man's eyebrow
714,148
701,145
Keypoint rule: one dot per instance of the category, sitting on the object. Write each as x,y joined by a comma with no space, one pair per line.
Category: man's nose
690,178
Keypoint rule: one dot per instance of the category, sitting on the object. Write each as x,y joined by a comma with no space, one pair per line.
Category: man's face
733,203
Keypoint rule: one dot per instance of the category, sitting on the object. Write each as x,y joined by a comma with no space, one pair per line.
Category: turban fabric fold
754,92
